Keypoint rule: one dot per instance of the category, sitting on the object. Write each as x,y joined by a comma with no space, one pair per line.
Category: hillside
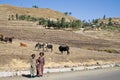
6,10
86,48
114,20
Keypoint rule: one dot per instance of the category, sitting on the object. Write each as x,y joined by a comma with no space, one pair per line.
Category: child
32,65
40,64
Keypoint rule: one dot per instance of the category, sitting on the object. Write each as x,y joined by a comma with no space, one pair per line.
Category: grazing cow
64,48
49,46
44,46
39,45
8,39
23,45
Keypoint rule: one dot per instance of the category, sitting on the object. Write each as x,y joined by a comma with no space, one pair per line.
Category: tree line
47,22
103,23
74,24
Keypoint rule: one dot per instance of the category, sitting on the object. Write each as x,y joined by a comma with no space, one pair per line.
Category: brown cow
23,45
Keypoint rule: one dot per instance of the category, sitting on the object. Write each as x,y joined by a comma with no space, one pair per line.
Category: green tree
110,22
42,21
66,13
95,21
12,17
76,24
63,22
28,18
35,6
22,17
104,16
17,17
70,13
33,19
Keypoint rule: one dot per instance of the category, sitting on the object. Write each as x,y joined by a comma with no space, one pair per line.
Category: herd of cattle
44,46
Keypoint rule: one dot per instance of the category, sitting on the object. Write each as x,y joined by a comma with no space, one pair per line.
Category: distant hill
113,20
109,24
6,10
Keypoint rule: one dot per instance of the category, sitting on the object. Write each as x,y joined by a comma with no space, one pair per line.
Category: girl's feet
39,75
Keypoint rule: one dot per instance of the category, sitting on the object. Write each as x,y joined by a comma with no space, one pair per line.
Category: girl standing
40,64
32,65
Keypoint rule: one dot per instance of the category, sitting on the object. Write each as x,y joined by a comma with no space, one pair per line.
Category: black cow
8,39
49,46
64,48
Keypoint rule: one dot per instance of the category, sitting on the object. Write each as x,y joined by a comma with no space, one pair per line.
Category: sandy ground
14,57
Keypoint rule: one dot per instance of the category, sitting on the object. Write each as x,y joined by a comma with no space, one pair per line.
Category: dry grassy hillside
114,20
6,10
14,57
85,49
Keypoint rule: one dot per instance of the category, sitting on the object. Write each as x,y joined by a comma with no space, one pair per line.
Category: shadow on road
26,75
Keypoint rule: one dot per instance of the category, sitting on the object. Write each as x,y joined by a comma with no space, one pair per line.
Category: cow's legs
51,49
68,52
62,52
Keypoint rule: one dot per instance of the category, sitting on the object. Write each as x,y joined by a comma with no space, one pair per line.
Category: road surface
99,74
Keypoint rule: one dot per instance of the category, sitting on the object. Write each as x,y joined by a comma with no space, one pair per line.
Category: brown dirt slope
85,48
6,10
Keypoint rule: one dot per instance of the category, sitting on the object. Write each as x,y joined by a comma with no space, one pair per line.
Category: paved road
100,74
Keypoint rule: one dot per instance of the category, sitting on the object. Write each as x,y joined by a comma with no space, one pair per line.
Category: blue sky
81,9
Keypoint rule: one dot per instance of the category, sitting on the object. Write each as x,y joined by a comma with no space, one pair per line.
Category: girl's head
33,55
41,54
